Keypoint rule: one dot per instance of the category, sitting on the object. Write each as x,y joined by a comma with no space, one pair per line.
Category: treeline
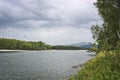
30,45
61,47
22,45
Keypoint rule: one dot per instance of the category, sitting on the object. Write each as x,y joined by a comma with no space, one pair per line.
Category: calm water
40,65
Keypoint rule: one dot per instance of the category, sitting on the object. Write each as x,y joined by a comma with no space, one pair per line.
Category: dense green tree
61,47
29,45
23,45
108,35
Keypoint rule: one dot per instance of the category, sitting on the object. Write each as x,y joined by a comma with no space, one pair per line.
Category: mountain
82,44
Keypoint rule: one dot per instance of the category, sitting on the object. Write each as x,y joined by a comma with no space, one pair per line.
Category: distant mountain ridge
82,44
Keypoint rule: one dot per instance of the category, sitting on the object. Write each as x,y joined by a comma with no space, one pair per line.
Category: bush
105,66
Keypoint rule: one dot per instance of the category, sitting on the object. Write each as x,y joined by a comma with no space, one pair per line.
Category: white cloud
56,35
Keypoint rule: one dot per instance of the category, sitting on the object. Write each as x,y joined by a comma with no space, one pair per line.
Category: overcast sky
51,21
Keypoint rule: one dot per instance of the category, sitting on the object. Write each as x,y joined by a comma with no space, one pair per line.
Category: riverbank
7,50
105,66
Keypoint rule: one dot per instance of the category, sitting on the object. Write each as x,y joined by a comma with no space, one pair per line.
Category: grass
105,66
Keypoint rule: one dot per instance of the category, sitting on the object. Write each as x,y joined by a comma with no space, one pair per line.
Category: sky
54,22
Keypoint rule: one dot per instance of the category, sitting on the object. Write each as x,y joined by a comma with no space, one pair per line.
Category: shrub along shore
105,66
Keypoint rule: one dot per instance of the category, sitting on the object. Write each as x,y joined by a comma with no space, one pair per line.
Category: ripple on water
40,65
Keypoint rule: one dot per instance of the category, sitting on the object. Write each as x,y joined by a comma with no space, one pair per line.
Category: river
41,65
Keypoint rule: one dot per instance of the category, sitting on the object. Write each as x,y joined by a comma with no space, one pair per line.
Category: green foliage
95,29
107,35
29,45
118,45
105,66
60,47
22,45
94,48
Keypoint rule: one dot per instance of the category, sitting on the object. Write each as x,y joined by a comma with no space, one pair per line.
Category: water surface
40,65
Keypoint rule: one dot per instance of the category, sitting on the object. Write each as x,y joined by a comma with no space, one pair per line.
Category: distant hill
82,44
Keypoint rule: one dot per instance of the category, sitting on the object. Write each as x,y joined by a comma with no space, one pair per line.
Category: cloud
55,35
53,12
43,19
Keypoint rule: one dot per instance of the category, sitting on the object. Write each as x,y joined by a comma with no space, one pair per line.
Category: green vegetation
60,47
108,35
22,45
106,64
29,45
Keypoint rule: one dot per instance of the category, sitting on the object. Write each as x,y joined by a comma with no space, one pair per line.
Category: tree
24,45
108,36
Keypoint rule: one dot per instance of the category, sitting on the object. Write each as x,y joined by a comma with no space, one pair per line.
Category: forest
30,45
22,45
61,47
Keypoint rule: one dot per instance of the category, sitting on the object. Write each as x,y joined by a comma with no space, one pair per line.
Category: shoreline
30,50
7,50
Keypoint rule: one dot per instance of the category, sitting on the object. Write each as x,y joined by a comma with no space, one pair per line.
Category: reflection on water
40,65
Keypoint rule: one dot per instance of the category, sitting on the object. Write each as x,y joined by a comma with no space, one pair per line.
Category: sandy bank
4,50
